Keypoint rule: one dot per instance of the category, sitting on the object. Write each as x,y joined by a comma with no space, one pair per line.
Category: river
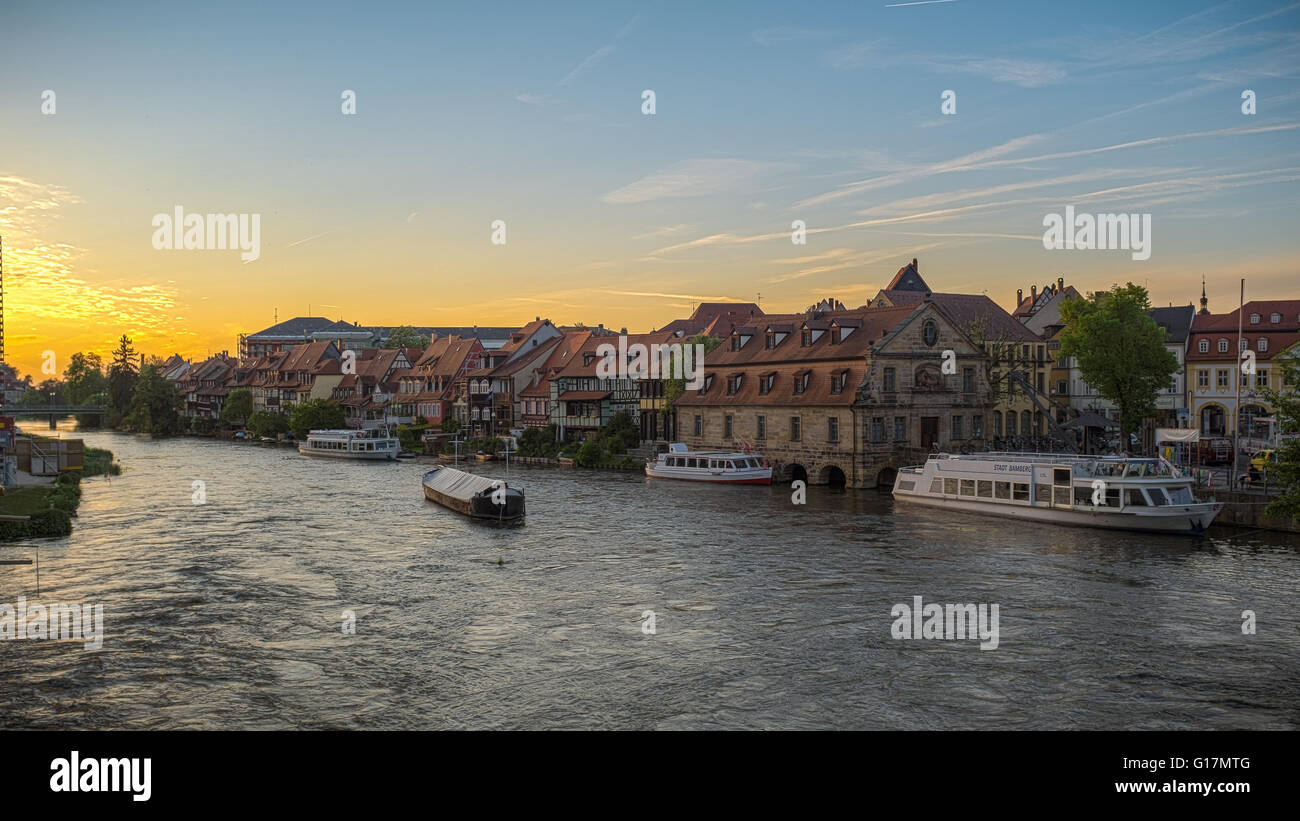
230,614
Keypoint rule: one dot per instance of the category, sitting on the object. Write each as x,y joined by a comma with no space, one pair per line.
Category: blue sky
531,113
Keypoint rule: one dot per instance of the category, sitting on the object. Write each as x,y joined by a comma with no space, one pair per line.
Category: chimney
1020,296
914,268
1033,294
1060,284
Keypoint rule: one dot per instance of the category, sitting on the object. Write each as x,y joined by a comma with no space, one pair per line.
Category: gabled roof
908,278
970,311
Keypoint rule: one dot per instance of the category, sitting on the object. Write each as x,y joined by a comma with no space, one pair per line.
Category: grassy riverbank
49,509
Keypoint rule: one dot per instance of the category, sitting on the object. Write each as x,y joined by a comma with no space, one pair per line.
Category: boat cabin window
936,486
950,487
1157,496
730,465
1179,495
1002,490
967,487
1020,491
1133,497
985,489
1082,495
1042,494
1061,495
1060,476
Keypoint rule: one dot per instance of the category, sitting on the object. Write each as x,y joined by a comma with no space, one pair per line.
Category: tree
122,376
406,337
620,433
537,441
674,388
41,394
268,423
237,407
316,414
92,420
84,377
155,404
1286,404
1120,350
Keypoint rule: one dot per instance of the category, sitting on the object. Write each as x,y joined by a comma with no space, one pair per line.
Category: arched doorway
833,476
1213,421
885,478
1248,421
798,474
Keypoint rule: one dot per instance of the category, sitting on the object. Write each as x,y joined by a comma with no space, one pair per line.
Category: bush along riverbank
49,509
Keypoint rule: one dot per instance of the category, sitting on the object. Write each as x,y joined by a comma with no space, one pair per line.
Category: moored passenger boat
1109,492
476,496
351,444
710,466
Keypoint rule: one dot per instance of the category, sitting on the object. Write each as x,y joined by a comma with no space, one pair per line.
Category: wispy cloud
594,59
691,178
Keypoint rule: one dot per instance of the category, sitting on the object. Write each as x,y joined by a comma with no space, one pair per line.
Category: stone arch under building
834,476
798,473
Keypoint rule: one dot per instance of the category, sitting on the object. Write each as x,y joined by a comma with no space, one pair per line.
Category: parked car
1216,450
1264,460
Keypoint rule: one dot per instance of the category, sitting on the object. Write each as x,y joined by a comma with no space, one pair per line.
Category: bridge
52,411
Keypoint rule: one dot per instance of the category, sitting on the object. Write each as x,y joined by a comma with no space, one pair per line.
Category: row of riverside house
831,394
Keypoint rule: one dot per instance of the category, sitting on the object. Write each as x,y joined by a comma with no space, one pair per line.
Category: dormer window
765,383
838,381
1204,346
805,338
708,383
1254,319
587,359
733,384
801,381
770,342
1223,346
735,342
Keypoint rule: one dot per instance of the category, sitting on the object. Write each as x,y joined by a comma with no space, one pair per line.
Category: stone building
842,397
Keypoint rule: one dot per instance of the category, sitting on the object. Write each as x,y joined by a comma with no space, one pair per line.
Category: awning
1090,420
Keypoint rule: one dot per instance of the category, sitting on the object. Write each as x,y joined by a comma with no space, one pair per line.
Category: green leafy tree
538,442
451,425
316,414
1120,350
590,453
155,404
620,433
49,392
84,377
1286,404
674,388
92,420
237,407
268,423
406,337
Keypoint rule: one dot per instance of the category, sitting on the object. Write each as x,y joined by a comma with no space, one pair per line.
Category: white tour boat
709,466
351,444
1090,491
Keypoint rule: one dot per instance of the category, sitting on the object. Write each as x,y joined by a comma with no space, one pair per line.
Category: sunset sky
531,113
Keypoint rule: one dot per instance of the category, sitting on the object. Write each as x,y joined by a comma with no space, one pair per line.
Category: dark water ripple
228,614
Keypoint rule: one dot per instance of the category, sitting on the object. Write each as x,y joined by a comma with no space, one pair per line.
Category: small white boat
709,466
1109,492
368,445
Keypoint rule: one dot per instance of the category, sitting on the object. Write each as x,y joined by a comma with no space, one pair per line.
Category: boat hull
748,477
363,456
1188,520
460,492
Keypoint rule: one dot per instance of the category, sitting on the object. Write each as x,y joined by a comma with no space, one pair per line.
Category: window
1243,344
1133,497
832,429
977,426
967,487
1275,318
699,424
1202,379
900,428
968,380
726,427
1223,346
877,428
837,382
936,486
1020,491
1002,490
765,384
1254,319
805,337
1062,387
794,429
1221,379
997,423
1261,379
1042,494
984,489
930,332
708,383
890,381
1262,345
950,487
1204,346
762,427
1011,423
956,428
1245,379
